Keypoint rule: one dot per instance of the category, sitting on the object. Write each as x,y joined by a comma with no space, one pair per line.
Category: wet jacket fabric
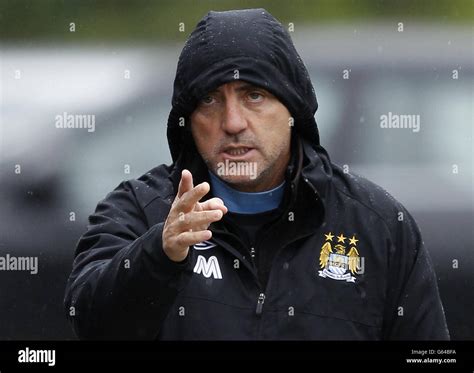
347,259
123,285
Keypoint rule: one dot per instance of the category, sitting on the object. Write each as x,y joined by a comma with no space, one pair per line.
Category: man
252,232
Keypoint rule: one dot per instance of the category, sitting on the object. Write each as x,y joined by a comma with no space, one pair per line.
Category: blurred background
117,60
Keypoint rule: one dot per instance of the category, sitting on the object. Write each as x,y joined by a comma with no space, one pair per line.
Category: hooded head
248,45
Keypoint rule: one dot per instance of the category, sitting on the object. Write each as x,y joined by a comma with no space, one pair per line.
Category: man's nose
233,120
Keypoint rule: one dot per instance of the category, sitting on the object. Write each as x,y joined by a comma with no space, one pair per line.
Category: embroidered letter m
208,267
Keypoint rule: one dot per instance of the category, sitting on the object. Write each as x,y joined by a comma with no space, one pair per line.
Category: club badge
338,260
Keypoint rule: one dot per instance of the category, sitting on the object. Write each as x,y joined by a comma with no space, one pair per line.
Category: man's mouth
235,152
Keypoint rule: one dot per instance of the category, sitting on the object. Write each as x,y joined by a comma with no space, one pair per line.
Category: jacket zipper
261,296
260,301
258,313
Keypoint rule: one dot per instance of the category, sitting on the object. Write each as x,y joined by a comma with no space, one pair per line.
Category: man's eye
255,96
207,100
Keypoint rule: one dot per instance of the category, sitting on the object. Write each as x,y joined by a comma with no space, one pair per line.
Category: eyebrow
246,86
240,88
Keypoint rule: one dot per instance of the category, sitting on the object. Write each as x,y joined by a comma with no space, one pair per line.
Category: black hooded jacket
348,261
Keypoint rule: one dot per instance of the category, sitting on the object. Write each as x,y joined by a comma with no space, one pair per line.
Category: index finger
186,183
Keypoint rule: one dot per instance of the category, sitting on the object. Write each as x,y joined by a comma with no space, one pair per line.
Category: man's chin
239,182
239,175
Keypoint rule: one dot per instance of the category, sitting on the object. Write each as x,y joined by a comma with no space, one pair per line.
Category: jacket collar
316,170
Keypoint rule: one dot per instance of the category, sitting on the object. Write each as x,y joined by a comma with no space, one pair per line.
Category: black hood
252,44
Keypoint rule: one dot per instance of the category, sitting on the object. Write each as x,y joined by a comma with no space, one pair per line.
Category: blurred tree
147,20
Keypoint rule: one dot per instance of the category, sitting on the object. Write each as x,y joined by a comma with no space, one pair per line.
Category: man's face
243,134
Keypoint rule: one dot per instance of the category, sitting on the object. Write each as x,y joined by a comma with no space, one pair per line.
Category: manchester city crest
338,260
